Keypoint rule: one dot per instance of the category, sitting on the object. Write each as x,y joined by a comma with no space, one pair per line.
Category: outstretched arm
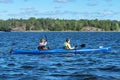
69,46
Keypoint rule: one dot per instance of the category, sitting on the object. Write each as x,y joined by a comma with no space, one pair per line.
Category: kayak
17,51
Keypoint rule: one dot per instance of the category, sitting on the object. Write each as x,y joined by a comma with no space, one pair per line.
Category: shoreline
60,31
68,31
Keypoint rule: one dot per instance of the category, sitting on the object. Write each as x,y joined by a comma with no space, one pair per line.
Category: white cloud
58,7
108,0
93,3
26,11
29,8
25,0
32,12
62,1
6,1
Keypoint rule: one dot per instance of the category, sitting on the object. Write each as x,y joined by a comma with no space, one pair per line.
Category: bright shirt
67,46
42,46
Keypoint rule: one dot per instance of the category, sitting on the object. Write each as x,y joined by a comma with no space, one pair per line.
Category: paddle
46,37
10,51
13,45
82,45
47,41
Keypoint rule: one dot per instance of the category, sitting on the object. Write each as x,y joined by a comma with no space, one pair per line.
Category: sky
61,9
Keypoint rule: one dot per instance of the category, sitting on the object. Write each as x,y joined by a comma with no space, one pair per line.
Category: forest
49,24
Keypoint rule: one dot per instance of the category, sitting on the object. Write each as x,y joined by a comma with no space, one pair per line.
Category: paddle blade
82,45
46,37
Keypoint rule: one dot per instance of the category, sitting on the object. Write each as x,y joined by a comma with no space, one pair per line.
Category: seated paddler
42,44
67,44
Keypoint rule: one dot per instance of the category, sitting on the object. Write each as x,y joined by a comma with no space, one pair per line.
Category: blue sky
62,9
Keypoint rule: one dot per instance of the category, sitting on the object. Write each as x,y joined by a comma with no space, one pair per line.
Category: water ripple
82,66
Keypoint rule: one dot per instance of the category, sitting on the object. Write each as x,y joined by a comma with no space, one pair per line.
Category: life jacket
65,46
41,47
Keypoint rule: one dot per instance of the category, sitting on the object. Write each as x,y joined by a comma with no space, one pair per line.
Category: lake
83,66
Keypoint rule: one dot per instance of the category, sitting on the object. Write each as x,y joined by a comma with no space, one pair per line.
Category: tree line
48,24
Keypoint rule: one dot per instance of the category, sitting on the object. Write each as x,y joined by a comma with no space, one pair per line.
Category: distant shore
59,31
47,25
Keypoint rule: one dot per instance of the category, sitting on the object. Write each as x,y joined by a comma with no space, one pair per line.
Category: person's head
42,40
67,40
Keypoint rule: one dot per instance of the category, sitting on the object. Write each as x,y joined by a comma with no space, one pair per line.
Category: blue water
84,66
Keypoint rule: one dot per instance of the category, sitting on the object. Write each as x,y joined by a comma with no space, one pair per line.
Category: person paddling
67,44
42,44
